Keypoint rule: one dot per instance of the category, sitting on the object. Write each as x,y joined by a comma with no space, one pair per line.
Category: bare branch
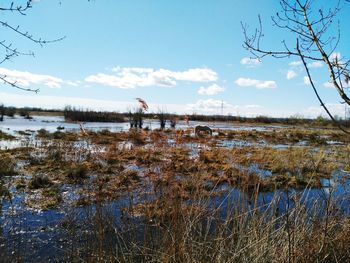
28,35
316,92
15,85
8,48
20,9
314,41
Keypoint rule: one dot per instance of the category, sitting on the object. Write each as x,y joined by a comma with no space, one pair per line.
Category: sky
180,56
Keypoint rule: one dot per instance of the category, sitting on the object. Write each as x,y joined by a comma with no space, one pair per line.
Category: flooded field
120,195
51,123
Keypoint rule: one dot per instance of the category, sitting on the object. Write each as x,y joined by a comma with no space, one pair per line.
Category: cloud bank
259,84
26,79
211,90
130,78
250,62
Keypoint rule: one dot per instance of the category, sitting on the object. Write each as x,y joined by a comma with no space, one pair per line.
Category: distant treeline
12,111
293,120
74,114
7,111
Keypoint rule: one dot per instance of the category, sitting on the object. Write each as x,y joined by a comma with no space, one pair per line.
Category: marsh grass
5,136
4,192
157,201
7,165
78,172
312,137
39,181
170,229
137,137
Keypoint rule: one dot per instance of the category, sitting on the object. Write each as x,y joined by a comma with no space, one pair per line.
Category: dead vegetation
192,200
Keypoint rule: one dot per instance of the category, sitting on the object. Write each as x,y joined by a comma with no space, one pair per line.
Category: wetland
248,193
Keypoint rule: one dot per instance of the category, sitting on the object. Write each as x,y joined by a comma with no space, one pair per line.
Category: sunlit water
50,123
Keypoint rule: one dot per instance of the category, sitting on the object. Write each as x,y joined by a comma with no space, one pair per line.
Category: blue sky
180,56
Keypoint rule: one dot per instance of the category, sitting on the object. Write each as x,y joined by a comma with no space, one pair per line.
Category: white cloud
209,105
315,64
291,74
335,56
250,62
130,78
295,63
56,102
329,84
252,106
25,78
334,108
73,83
306,80
211,90
195,75
259,84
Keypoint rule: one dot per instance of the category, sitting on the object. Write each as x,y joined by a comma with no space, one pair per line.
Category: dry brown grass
189,203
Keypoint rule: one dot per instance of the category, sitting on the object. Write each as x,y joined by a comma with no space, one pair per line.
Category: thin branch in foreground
312,28
317,95
15,85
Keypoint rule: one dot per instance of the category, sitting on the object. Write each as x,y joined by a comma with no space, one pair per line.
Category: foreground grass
169,197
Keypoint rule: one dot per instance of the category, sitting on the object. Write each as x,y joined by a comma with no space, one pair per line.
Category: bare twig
315,42
9,49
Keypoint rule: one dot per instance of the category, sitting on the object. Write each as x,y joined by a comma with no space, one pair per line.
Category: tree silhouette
317,38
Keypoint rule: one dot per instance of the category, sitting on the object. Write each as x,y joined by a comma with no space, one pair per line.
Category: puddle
11,144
